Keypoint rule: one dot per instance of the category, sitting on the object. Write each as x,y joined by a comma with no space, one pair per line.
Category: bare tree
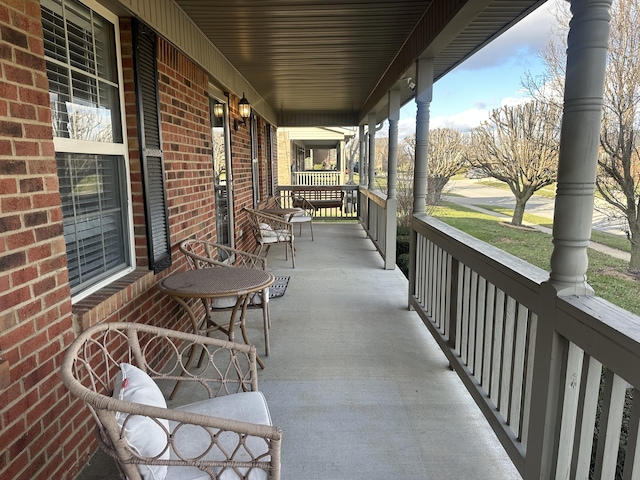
618,179
548,87
404,185
518,145
381,163
446,157
352,151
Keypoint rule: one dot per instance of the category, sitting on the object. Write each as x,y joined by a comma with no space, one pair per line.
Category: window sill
106,303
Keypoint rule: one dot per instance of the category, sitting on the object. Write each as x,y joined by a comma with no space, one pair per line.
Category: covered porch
355,380
490,374
495,371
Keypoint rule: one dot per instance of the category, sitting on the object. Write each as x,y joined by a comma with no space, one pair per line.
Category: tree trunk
634,263
518,212
434,189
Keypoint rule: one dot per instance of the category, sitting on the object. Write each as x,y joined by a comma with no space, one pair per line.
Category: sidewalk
469,193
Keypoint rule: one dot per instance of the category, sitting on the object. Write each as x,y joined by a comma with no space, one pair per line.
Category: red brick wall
35,307
186,131
242,177
44,432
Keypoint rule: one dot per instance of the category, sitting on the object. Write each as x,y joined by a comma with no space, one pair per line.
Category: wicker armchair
271,230
117,369
204,254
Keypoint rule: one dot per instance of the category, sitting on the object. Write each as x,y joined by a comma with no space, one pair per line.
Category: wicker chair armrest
186,418
231,367
275,222
305,204
200,254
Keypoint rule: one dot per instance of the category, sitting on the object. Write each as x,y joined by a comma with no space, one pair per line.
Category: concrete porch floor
354,379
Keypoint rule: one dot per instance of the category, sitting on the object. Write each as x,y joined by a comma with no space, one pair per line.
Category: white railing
377,214
531,360
319,178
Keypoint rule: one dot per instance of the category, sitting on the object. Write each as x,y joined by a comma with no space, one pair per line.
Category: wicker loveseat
120,370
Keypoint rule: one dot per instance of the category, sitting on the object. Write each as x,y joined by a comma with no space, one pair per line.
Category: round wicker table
219,282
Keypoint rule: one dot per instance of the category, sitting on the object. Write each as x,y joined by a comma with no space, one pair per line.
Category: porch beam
579,142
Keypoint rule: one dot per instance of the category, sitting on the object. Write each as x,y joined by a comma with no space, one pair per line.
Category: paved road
473,194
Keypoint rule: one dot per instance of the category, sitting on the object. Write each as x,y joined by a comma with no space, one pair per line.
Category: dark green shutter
150,140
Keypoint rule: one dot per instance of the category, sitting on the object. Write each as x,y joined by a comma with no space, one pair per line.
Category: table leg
243,301
194,324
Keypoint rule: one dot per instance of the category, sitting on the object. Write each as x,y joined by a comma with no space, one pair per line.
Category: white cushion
300,218
224,302
298,211
273,236
228,302
192,441
256,298
143,434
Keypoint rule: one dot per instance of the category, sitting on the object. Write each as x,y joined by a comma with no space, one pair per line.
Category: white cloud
514,48
406,127
529,38
513,101
463,121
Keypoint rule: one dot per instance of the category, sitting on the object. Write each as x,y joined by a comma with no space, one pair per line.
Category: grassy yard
618,242
607,275
549,191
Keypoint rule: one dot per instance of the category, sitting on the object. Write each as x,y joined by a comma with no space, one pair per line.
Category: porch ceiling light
244,109
218,110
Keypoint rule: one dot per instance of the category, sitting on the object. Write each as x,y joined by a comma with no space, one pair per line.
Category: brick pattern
186,138
242,177
242,174
35,305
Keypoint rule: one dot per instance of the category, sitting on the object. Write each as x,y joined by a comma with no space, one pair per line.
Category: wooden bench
330,196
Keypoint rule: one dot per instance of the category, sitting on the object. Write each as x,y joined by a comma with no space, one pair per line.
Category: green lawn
606,275
614,241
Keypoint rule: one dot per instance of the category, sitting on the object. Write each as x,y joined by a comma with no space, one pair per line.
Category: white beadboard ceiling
332,62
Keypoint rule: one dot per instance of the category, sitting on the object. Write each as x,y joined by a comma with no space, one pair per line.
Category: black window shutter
150,140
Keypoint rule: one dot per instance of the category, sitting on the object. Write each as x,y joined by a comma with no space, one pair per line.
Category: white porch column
392,179
424,95
394,117
579,142
361,154
371,172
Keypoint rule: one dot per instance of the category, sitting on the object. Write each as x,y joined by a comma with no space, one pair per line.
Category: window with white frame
85,88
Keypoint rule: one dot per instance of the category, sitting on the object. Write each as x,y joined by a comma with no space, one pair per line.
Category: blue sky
489,79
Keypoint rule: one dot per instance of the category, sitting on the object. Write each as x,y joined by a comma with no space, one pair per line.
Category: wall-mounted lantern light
244,109
218,110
